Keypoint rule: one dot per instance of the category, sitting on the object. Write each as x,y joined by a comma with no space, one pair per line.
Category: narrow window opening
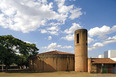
77,38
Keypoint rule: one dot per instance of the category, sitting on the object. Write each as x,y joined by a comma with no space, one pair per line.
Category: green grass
49,74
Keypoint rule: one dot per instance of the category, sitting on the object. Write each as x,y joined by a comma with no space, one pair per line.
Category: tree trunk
21,67
2,67
6,67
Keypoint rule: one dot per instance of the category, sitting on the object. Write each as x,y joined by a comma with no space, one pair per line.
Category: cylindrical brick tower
81,56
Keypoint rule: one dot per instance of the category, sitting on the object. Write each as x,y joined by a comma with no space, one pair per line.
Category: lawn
49,74
55,74
105,75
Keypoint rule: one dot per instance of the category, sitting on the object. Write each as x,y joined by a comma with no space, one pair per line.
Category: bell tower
81,52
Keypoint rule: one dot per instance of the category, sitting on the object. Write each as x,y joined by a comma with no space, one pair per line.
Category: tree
10,46
21,60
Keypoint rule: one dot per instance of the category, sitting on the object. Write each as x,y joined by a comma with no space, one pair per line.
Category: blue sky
50,24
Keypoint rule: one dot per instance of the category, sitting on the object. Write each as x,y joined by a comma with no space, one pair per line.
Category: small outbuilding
52,61
101,65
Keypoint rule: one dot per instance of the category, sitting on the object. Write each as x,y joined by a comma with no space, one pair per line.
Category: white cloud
90,40
75,13
74,27
105,42
98,45
95,46
29,15
110,40
101,31
70,32
51,30
68,37
55,46
68,47
43,31
54,24
64,9
28,42
49,37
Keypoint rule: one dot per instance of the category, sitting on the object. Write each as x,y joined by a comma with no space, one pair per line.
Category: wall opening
77,38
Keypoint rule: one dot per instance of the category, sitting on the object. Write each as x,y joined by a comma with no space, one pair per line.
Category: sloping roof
102,60
57,52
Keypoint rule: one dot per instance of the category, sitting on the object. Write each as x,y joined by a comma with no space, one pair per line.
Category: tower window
77,38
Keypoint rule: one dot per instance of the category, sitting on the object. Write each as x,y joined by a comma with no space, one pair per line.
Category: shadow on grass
26,71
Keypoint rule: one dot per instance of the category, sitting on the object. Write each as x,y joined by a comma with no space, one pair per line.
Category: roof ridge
55,52
103,60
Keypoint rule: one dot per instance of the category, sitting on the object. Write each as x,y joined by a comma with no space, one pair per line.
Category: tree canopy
13,50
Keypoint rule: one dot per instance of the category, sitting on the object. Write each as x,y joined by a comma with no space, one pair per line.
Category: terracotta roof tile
103,60
57,52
